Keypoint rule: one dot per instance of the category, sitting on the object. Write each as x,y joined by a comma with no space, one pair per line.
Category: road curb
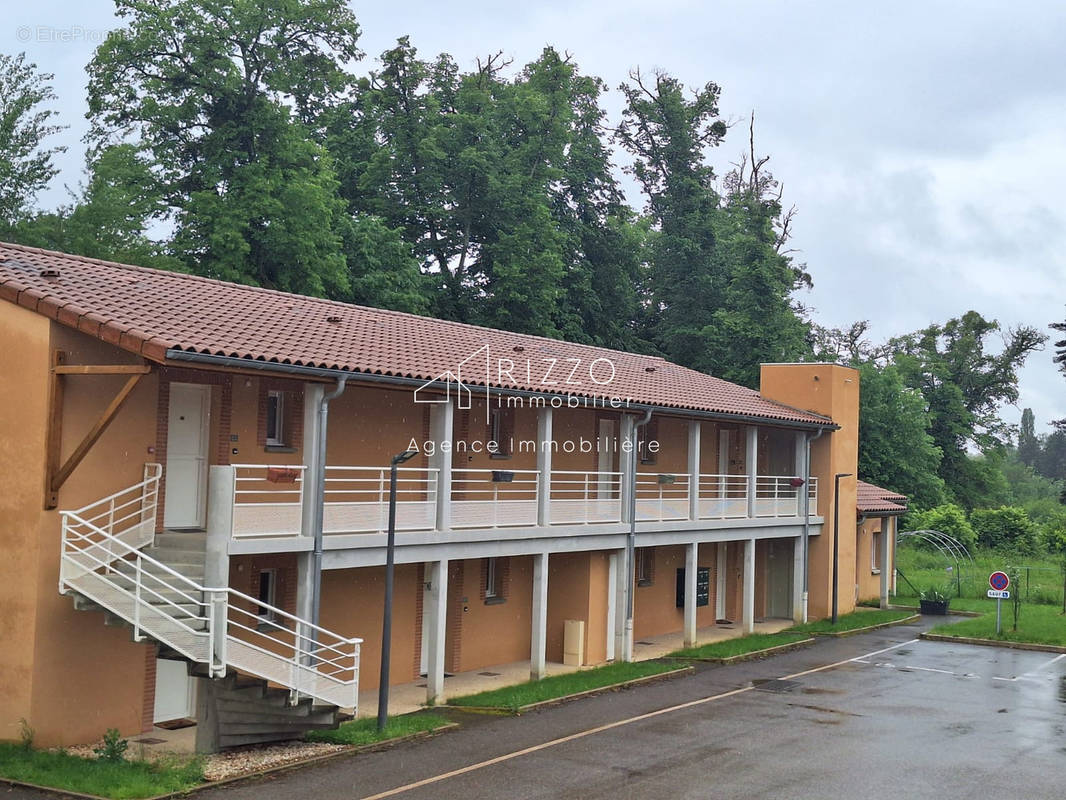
868,628
1041,648
753,655
506,711
305,762
951,611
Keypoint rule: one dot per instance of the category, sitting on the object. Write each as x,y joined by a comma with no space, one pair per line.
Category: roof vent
649,369
50,272
519,349
333,319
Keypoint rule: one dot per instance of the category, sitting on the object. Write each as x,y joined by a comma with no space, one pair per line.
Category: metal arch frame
949,546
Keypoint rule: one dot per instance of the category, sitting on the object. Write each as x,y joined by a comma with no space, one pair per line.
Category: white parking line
609,726
1029,676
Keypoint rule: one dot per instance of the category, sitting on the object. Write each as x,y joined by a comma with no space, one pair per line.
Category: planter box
934,607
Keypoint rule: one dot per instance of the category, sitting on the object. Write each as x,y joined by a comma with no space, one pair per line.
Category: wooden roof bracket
57,474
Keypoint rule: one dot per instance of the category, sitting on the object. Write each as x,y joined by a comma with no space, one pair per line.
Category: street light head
406,455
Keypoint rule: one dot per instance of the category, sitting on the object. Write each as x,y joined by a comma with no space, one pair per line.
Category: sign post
999,583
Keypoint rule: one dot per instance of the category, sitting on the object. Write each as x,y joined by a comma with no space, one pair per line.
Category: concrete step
192,571
180,555
263,720
182,540
229,741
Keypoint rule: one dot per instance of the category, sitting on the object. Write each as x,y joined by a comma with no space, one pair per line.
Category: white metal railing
357,499
217,626
722,496
267,500
127,515
778,496
662,496
581,498
494,498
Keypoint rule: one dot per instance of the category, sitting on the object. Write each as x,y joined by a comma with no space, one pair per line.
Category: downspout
631,539
807,517
318,508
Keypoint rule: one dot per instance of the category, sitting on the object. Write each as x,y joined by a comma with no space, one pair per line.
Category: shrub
948,519
114,747
1005,528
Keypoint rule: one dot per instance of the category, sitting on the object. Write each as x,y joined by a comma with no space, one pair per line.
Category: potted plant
934,600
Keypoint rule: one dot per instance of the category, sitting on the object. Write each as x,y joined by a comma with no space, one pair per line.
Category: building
202,470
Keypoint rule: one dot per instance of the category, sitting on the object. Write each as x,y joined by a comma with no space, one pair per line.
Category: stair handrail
219,604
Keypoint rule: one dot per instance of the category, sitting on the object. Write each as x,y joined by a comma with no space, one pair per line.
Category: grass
121,779
1037,624
365,729
980,604
556,686
853,621
1041,577
727,648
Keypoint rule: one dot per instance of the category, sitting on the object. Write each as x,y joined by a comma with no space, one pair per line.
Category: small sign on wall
703,586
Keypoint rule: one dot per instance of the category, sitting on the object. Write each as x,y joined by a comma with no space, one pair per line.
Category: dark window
267,592
501,431
645,567
275,419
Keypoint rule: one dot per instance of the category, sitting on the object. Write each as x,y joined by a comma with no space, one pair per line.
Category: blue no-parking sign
999,581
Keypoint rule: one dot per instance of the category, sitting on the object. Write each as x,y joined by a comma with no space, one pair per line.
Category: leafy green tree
384,272
963,386
895,448
1028,443
26,165
1005,528
225,97
947,518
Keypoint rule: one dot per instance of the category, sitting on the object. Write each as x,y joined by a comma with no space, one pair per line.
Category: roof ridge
295,295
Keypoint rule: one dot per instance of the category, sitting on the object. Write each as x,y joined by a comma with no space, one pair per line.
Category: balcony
267,502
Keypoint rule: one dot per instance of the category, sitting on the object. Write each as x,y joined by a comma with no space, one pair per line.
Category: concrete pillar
694,469
613,559
797,580
751,464
623,645
720,561
435,609
886,566
691,566
441,423
748,617
305,562
544,465
219,525
539,616
626,459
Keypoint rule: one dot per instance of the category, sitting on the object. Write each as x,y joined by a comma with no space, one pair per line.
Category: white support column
623,649
691,566
751,465
748,618
694,469
544,465
539,633
305,562
797,580
219,525
720,565
441,423
626,457
886,532
435,609
613,559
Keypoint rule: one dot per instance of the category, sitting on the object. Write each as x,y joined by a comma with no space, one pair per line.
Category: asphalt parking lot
876,715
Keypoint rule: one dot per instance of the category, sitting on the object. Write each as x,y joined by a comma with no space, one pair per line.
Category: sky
921,142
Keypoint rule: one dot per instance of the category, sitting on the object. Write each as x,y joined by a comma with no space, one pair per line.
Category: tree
226,99
1004,528
947,518
963,386
26,165
895,448
1028,444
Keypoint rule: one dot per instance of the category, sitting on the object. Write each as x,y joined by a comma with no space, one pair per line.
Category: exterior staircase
261,682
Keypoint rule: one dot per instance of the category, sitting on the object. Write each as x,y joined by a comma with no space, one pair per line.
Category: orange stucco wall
868,582
655,610
493,632
60,657
831,390
577,589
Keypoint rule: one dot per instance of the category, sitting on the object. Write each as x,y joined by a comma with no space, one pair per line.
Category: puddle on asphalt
813,690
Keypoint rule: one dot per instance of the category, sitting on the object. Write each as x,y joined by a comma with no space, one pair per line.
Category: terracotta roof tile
151,311
871,499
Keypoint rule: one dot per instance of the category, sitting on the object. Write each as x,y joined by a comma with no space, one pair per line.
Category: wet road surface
881,715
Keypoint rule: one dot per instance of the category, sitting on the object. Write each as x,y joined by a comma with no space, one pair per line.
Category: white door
188,420
173,691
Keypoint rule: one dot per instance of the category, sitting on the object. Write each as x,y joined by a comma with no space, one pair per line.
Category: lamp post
836,537
386,623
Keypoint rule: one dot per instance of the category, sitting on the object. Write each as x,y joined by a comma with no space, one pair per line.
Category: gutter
325,373
318,509
807,517
631,538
